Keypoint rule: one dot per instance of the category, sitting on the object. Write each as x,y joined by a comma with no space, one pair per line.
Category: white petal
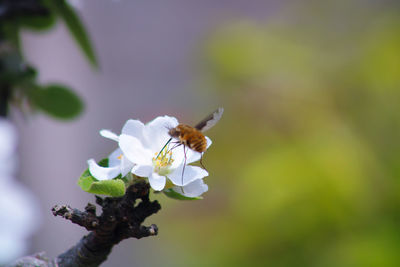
209,142
191,156
142,170
108,134
157,182
194,189
190,174
195,156
115,158
126,166
134,128
103,173
156,131
134,150
179,156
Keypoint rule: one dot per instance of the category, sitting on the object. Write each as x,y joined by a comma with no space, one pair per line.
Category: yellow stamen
162,161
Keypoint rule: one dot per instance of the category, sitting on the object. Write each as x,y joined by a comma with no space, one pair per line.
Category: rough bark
121,218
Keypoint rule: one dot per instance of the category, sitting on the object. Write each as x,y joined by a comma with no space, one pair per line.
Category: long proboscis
159,153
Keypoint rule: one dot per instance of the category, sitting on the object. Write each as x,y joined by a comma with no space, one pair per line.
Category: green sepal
175,195
113,188
75,26
56,100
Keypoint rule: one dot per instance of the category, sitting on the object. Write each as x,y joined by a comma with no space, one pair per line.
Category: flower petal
157,182
156,132
194,189
115,158
178,156
126,166
134,128
190,174
108,134
103,173
209,142
191,155
142,170
133,149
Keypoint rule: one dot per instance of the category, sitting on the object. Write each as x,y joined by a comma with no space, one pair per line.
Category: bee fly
193,137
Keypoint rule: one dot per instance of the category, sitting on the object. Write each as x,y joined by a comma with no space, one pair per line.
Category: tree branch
121,218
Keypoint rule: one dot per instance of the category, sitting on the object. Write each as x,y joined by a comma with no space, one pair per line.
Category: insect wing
210,120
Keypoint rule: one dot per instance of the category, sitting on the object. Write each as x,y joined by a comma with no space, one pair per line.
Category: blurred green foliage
18,85
305,166
56,100
72,21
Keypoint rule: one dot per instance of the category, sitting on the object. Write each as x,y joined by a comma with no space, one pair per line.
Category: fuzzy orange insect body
190,137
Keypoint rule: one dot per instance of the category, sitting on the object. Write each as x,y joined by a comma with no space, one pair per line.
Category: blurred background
304,167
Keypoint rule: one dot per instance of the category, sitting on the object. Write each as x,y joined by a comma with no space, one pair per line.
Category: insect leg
176,144
201,161
184,165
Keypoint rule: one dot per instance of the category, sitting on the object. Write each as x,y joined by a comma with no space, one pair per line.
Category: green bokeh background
304,169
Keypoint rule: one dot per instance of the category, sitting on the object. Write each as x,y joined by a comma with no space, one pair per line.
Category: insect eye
173,132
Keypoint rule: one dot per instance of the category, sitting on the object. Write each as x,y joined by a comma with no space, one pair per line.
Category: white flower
117,163
140,151
142,145
18,208
194,189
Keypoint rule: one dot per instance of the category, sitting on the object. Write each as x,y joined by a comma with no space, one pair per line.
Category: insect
193,137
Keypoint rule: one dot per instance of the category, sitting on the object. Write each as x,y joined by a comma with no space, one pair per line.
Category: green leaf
113,188
75,26
57,101
172,194
38,22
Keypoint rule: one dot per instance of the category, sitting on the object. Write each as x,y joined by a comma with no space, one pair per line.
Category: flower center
162,161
